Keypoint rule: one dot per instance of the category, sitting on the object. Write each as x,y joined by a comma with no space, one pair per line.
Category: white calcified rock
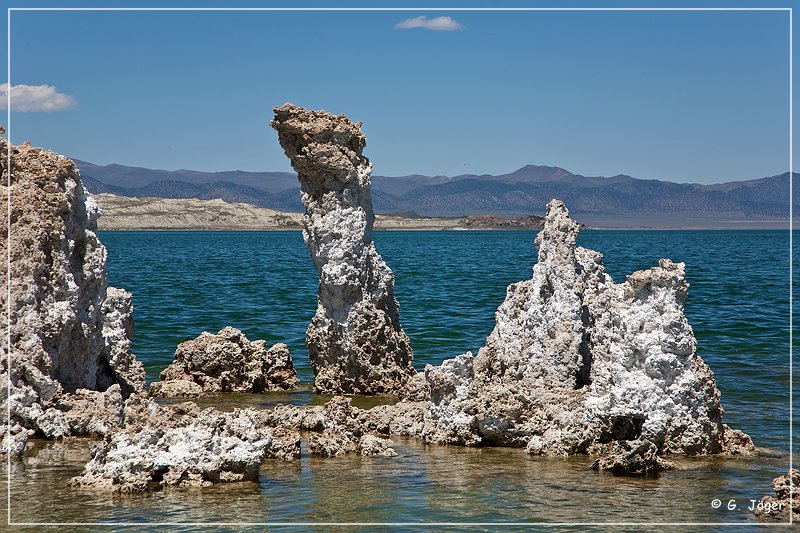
371,445
177,446
645,366
539,333
69,330
577,361
449,417
355,341
226,362
86,412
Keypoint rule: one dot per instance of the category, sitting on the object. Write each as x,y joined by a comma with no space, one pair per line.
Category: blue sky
682,96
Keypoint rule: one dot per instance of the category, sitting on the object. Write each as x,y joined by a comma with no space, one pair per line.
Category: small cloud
437,24
35,98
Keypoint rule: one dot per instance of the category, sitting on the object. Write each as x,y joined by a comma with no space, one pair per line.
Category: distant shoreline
123,213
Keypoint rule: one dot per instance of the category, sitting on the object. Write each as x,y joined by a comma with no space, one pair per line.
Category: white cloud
438,23
35,98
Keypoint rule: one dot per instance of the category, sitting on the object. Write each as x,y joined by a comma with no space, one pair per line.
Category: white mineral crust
70,332
355,341
577,361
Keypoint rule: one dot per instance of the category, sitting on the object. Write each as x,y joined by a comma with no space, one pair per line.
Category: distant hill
596,200
135,177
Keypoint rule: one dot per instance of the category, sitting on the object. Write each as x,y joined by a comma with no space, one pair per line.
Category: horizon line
448,176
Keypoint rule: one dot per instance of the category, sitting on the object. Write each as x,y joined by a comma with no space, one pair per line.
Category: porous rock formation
177,446
70,332
345,432
337,427
577,361
355,341
786,501
226,362
630,457
181,445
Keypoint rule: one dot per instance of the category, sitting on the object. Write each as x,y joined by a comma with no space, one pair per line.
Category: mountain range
621,201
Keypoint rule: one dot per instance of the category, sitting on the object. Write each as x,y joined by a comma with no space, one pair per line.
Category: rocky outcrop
785,504
577,362
87,412
226,362
355,341
338,428
180,445
630,457
344,431
177,446
70,332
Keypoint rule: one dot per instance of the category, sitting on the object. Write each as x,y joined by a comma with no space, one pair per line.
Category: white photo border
788,10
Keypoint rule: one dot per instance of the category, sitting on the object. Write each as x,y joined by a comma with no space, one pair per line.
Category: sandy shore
130,213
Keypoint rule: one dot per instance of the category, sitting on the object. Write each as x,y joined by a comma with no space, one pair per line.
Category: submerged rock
577,362
226,362
630,457
786,502
178,446
70,332
355,341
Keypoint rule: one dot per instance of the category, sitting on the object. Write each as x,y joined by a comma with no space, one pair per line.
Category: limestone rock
355,341
577,361
403,418
285,444
87,412
416,389
178,446
118,330
14,439
309,418
449,417
345,432
786,501
371,445
631,457
330,444
736,442
226,362
69,330
539,337
646,371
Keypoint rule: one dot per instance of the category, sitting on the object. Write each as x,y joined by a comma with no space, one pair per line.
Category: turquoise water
449,284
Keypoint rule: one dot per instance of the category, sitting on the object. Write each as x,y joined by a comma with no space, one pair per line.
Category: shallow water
449,284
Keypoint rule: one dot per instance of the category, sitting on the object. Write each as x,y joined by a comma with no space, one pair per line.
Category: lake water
449,284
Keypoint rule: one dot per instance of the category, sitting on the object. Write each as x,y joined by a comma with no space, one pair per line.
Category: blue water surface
449,284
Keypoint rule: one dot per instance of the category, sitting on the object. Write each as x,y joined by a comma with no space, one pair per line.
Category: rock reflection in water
424,483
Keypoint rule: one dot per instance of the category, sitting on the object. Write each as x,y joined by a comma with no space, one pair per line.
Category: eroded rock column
538,335
355,341
70,332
